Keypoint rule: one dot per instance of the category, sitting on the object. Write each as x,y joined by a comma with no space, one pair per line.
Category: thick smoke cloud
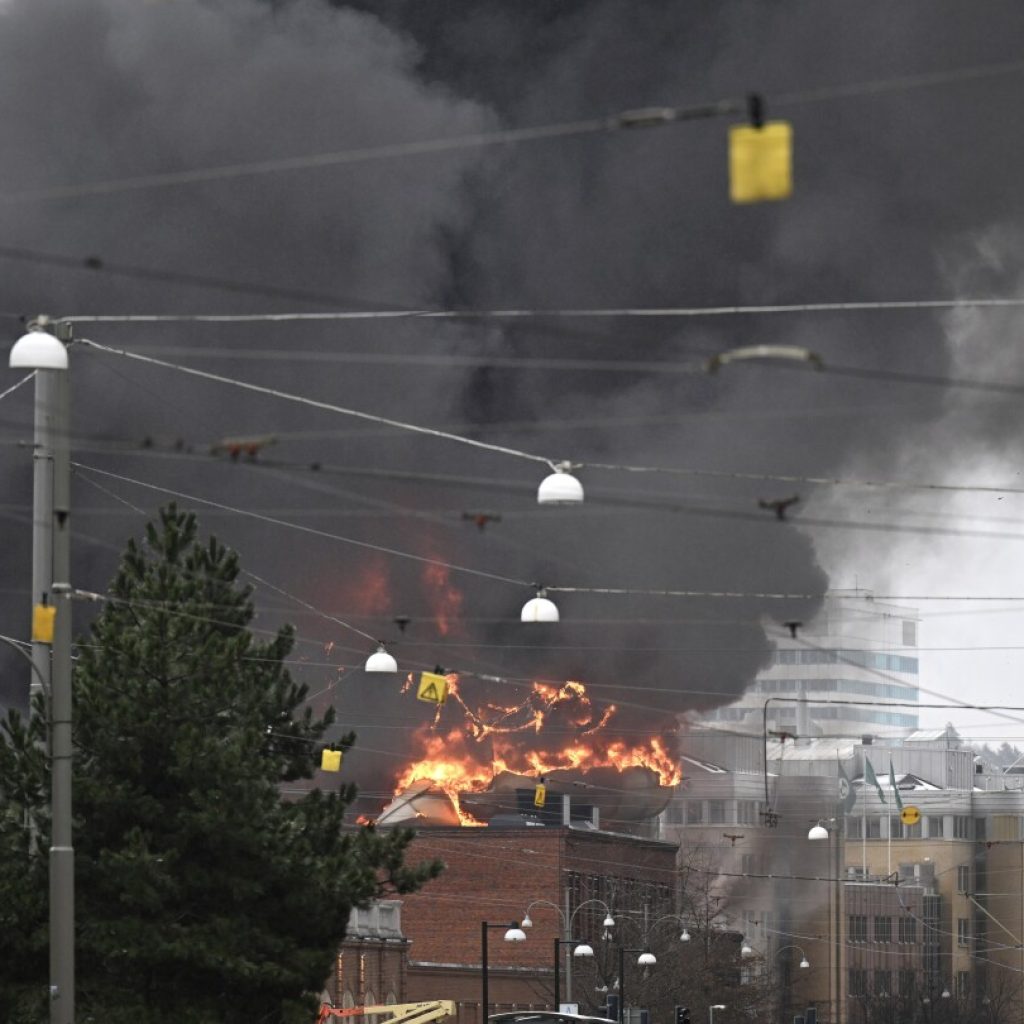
887,186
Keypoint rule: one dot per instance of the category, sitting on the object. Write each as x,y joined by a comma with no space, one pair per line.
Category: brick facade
494,875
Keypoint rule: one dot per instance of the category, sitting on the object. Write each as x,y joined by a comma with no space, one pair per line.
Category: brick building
495,875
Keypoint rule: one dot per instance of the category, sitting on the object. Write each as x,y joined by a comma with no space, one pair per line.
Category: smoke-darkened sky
900,194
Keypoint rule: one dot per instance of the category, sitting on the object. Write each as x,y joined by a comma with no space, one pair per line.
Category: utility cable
14,387
641,312
314,403
623,121
79,467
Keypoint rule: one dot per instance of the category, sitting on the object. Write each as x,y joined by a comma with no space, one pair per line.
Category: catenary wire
622,121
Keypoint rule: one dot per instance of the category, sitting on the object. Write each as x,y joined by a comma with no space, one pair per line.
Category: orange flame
460,761
447,599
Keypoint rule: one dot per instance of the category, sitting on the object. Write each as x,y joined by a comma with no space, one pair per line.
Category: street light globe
804,963
583,949
685,937
745,949
38,350
945,993
526,922
609,922
818,832
381,661
646,960
560,488
539,609
515,935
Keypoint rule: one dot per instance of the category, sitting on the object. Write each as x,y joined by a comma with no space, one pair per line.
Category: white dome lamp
746,949
527,923
381,661
646,960
609,921
583,949
685,937
804,963
38,350
539,609
818,832
561,487
515,935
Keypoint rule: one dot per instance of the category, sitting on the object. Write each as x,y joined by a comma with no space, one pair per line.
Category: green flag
872,779
895,792
847,794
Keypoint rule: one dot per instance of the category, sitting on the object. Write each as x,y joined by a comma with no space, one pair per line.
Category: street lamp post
711,1011
645,959
567,920
819,832
47,355
513,933
582,949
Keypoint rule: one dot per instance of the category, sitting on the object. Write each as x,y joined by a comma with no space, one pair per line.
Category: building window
883,929
883,983
934,826
895,826
907,985
674,814
874,828
963,984
694,812
961,826
858,982
746,812
908,930
858,931
980,831
716,812
747,863
912,831
909,633
854,829
963,878
963,931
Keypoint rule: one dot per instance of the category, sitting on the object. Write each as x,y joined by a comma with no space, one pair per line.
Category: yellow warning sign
910,815
330,761
760,162
433,688
42,623
540,795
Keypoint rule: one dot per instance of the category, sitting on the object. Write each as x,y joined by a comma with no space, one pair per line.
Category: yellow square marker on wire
760,162
330,761
433,688
43,616
540,794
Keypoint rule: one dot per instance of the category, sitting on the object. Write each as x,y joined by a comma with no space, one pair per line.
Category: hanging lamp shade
804,963
583,949
646,960
560,488
539,609
38,350
381,661
818,832
515,935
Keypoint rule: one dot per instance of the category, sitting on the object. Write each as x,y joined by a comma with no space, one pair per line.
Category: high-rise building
858,649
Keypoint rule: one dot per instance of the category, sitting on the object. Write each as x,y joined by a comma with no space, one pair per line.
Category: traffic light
682,1015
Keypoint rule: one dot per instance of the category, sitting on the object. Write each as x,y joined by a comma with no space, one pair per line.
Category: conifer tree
203,894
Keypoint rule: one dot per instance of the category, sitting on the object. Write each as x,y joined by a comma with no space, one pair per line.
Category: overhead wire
627,120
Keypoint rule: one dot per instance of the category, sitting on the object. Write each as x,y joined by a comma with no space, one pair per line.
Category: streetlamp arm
15,646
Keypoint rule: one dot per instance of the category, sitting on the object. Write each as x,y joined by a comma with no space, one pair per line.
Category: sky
905,189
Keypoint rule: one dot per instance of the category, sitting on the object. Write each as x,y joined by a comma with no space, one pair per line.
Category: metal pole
483,972
557,978
42,519
622,985
62,854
